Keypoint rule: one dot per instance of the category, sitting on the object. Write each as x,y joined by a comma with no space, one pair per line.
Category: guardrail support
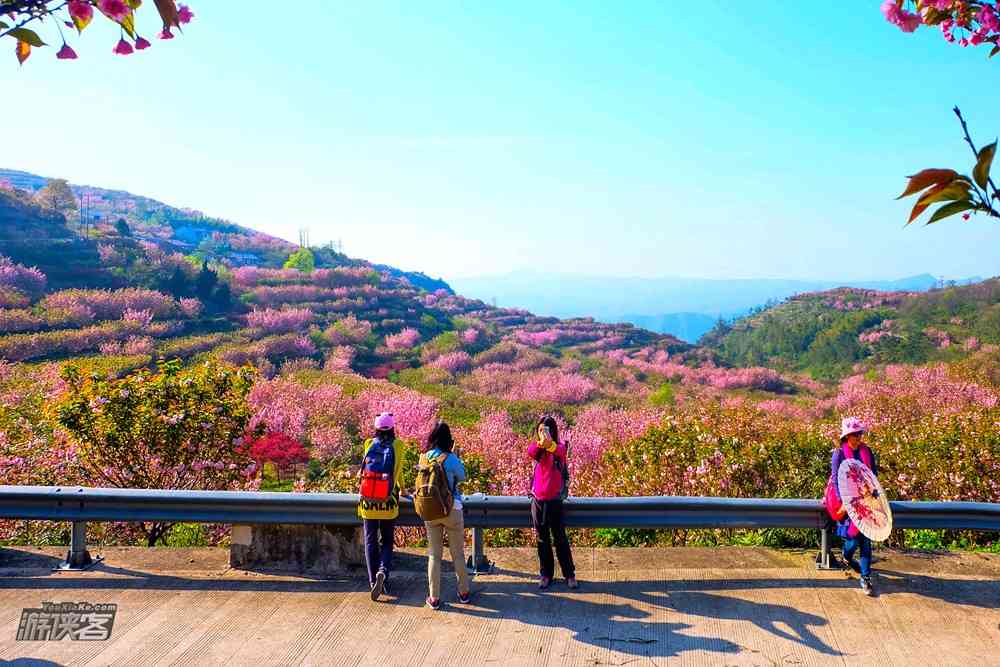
825,560
478,562
77,558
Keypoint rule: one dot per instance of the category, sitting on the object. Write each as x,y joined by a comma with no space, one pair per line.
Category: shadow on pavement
13,558
629,616
972,592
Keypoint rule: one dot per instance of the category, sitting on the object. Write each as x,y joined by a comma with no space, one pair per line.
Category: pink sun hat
851,425
384,422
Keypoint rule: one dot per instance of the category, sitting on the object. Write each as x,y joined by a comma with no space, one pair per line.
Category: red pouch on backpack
831,501
374,485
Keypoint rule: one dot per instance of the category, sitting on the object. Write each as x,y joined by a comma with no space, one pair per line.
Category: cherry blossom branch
29,4
975,151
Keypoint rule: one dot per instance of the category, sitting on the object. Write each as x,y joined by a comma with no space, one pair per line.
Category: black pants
546,518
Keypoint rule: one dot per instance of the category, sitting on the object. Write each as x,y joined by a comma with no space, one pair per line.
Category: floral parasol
864,499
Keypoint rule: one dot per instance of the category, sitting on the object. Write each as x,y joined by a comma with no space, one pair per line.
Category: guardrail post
77,558
478,563
825,560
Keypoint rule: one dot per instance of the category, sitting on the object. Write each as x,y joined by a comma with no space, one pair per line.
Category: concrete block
310,549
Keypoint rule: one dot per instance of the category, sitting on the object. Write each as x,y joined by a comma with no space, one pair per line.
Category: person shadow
764,615
984,592
605,623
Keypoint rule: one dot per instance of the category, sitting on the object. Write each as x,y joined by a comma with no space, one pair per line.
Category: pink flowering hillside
266,363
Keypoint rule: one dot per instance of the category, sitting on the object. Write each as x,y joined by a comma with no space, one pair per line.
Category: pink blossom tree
975,21
404,340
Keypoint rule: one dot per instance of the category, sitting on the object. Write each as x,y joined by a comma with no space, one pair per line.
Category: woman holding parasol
851,447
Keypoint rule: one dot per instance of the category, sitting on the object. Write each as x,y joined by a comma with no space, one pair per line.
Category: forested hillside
828,333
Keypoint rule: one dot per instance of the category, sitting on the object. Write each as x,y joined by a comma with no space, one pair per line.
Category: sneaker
544,583
465,598
572,583
866,586
379,586
385,588
434,603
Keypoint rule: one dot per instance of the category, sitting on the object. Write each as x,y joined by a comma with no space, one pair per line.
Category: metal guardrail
79,505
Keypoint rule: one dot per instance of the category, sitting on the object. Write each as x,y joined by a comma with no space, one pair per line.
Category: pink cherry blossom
81,12
117,10
66,53
123,48
166,34
184,14
141,43
404,340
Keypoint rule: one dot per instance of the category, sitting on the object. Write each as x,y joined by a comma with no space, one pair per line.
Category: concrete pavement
724,606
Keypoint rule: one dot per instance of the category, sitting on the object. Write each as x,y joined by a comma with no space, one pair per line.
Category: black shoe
866,586
379,586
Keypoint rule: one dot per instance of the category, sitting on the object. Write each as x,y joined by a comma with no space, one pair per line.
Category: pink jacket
547,480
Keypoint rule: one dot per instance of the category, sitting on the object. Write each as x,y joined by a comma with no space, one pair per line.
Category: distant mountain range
684,307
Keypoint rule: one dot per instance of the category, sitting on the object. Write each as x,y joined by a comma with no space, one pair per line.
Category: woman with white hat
851,430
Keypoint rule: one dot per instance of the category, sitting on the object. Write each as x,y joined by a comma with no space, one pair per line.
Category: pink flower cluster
22,347
415,414
191,308
285,346
111,304
599,427
280,294
253,276
979,20
537,338
852,298
340,358
509,383
896,15
453,362
940,338
658,362
110,255
905,393
284,406
554,386
29,281
504,452
873,336
142,318
134,346
786,409
269,321
348,331
12,298
404,340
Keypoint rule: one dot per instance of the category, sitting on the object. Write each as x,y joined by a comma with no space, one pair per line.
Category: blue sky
709,139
